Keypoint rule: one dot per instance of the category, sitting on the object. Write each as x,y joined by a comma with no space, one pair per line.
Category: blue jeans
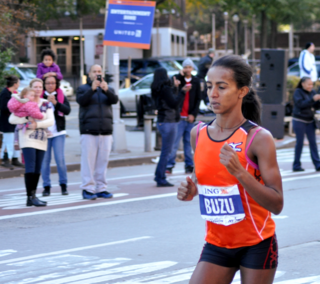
57,144
168,132
184,129
33,160
300,129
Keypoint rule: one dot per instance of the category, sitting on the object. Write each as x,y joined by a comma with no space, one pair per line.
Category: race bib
221,205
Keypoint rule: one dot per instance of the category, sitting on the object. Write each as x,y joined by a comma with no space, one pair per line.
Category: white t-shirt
53,128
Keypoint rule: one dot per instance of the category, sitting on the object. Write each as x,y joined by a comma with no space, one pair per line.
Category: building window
182,40
172,38
76,55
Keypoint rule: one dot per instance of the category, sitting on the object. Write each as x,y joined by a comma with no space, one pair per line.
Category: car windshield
295,68
30,72
145,83
169,65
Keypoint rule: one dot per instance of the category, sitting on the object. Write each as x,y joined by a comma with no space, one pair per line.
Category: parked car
27,72
143,67
294,70
127,96
294,60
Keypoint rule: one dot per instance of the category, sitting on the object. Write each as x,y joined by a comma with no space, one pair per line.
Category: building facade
63,37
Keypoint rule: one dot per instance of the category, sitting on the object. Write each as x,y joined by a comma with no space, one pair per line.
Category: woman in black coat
305,102
167,104
8,129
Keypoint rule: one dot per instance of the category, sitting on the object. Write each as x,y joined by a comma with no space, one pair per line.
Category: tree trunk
274,31
264,30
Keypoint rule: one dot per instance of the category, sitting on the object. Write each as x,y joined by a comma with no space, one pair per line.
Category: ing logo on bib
234,146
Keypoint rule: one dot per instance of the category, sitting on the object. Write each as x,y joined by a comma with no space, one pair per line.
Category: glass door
62,59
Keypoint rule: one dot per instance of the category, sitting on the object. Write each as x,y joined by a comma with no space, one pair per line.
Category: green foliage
55,9
302,13
5,57
292,83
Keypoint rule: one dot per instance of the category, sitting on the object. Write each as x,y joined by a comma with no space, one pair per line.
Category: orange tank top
233,218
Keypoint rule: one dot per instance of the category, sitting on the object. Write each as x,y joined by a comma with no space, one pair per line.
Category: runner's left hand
229,158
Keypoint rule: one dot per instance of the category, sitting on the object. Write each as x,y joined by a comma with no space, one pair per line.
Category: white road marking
279,217
6,252
114,273
87,206
301,177
18,201
290,172
56,267
310,280
142,280
108,179
294,247
74,249
237,277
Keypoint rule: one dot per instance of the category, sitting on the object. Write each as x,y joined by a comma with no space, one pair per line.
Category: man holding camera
95,120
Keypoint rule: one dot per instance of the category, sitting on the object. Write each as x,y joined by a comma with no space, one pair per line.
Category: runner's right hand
187,190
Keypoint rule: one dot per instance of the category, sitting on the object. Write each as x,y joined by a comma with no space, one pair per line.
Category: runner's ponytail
251,107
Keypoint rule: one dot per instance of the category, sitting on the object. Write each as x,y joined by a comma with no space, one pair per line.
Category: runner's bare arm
187,190
270,195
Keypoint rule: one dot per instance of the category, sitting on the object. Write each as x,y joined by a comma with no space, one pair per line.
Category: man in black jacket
188,112
95,120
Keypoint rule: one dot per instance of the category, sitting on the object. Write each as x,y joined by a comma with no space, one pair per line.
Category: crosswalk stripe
19,202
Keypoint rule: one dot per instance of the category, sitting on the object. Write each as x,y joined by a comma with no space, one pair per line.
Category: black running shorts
264,255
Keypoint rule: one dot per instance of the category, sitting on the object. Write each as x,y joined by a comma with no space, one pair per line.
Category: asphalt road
142,235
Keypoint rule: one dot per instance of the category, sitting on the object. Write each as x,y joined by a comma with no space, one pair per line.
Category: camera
99,78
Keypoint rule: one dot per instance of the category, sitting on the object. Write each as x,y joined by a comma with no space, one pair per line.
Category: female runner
238,181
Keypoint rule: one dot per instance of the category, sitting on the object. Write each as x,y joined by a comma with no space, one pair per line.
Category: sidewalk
134,156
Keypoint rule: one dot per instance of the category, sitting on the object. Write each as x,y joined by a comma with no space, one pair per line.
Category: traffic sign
129,23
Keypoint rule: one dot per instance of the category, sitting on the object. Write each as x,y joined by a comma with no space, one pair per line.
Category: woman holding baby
33,140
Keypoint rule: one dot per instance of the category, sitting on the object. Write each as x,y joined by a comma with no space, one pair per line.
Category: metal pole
253,40
214,31
291,53
236,40
158,41
195,46
81,53
104,46
226,35
119,131
245,37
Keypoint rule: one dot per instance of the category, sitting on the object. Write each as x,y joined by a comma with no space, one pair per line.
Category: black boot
46,191
33,200
35,185
64,189
15,162
29,181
